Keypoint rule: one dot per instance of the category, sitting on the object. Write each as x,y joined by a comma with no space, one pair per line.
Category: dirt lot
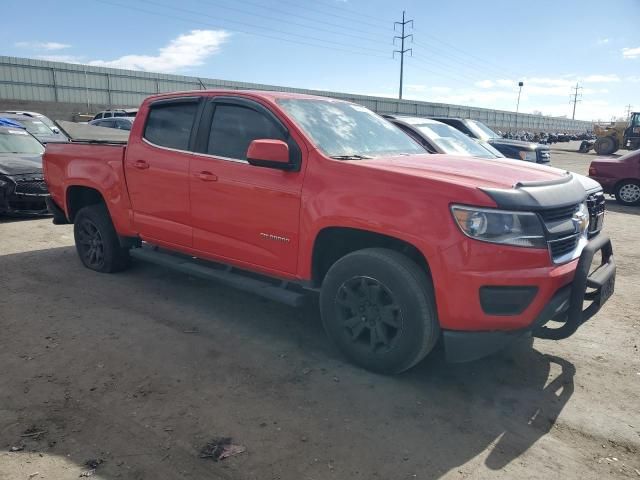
143,368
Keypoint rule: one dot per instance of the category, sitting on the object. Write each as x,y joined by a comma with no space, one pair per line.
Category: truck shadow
142,368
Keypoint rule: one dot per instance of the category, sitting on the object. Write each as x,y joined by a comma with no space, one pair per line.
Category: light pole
520,84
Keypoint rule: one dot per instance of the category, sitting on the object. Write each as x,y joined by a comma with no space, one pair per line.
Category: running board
276,290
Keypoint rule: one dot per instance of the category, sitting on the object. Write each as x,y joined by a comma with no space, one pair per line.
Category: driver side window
234,127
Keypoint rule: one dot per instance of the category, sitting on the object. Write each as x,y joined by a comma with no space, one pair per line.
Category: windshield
19,141
342,129
452,141
481,130
35,127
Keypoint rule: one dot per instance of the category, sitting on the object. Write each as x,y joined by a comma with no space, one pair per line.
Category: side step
266,287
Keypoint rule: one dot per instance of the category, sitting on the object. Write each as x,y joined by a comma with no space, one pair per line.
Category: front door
157,172
243,213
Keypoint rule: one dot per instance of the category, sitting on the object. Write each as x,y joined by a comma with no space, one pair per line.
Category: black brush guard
588,286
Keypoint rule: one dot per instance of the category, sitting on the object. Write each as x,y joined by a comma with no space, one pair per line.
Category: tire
96,240
605,146
378,308
627,192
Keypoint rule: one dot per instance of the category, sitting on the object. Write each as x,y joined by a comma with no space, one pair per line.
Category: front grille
544,156
563,246
560,213
31,187
596,205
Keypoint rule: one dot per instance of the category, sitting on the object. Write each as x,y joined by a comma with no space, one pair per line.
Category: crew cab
517,149
282,194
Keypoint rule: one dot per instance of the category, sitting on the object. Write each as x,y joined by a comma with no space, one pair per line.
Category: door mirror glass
269,153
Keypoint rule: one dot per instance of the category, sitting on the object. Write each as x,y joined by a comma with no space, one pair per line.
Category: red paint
220,209
609,171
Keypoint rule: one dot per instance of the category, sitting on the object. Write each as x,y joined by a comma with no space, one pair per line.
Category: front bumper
23,205
565,306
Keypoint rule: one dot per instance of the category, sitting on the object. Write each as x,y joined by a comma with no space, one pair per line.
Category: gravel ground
138,371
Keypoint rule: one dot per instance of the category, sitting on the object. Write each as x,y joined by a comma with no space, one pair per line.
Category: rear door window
169,124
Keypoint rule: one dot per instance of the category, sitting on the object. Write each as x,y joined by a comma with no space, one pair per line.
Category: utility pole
520,85
575,99
402,50
629,107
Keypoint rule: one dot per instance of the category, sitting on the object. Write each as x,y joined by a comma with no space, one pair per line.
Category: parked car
22,187
122,123
619,176
294,192
36,127
44,119
116,112
438,137
518,149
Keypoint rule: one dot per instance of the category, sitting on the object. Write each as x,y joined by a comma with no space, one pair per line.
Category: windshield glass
451,140
345,129
19,141
35,127
481,130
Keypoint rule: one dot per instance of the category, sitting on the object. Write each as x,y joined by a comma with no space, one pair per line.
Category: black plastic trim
539,195
59,217
506,300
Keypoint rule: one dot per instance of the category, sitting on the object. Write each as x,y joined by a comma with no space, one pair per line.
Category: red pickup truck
281,194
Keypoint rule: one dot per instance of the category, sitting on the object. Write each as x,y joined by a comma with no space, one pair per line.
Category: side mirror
269,153
55,130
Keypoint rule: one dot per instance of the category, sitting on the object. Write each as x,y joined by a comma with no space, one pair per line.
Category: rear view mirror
269,153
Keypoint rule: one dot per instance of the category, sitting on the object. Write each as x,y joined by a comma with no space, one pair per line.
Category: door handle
141,164
207,176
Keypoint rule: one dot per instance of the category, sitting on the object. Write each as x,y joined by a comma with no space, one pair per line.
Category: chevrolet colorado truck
280,194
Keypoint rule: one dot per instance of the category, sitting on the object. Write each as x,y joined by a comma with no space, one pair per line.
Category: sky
463,52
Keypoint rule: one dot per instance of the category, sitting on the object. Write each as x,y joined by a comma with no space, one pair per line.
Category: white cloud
629,52
61,58
485,84
603,41
611,77
50,46
188,50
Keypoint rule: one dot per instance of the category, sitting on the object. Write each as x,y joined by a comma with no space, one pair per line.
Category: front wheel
628,192
97,241
378,307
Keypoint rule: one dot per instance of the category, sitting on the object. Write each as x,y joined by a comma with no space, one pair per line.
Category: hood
468,171
17,164
521,145
588,184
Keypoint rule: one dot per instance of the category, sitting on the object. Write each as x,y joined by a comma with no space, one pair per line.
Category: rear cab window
170,123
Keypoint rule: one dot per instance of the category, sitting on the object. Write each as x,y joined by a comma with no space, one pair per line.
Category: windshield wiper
351,157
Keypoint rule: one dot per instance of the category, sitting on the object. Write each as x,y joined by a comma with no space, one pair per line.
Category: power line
317,42
251,25
402,50
575,99
334,15
271,9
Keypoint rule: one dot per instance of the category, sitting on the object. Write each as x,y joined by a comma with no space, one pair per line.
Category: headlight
527,156
521,229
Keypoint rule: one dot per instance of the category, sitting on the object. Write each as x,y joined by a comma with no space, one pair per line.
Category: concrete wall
60,90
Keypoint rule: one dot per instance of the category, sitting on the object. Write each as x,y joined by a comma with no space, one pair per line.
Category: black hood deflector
564,191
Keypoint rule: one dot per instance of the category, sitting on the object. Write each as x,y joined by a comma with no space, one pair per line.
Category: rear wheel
605,146
378,307
628,192
97,242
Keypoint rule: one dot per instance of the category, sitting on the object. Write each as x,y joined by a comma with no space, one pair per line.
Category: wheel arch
334,242
79,196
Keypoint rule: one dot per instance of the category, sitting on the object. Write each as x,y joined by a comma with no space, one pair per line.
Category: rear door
157,171
239,211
